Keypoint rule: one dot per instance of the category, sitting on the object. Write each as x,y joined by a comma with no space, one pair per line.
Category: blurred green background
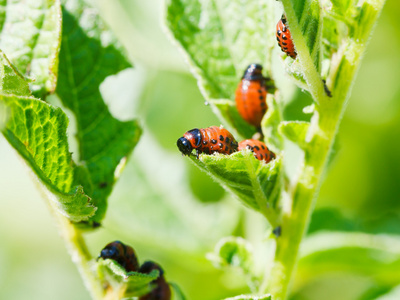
172,213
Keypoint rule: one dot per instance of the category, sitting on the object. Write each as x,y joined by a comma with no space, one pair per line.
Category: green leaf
255,183
347,26
11,81
30,35
375,256
270,124
250,297
237,253
37,131
307,15
305,24
134,283
341,6
233,252
220,39
296,131
88,56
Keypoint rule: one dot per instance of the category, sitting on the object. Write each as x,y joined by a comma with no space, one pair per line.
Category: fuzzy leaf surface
305,24
89,54
234,252
37,131
295,131
137,284
220,39
255,183
30,35
270,125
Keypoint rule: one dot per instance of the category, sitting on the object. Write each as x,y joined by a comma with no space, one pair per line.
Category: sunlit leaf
295,131
30,35
135,283
220,39
234,252
270,124
305,24
89,55
37,131
216,37
255,183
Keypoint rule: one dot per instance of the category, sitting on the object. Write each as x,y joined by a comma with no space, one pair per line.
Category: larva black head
283,18
184,146
253,72
112,250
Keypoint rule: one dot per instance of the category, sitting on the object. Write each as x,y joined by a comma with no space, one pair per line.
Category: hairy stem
80,255
295,223
322,132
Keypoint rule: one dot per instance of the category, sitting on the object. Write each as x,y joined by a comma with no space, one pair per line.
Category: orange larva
207,140
251,94
260,150
285,38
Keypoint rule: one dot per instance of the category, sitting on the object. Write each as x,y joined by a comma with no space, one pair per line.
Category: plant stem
295,223
80,255
323,129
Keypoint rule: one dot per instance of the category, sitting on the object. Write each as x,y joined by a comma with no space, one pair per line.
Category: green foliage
88,55
220,39
38,132
326,64
375,256
270,124
233,252
30,35
255,183
295,131
249,297
305,25
104,142
133,283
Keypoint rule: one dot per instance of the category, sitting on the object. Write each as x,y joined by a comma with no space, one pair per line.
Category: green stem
80,255
295,223
323,129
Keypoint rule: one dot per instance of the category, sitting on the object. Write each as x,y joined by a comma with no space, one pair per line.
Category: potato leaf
30,35
134,283
37,131
255,183
220,39
88,56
